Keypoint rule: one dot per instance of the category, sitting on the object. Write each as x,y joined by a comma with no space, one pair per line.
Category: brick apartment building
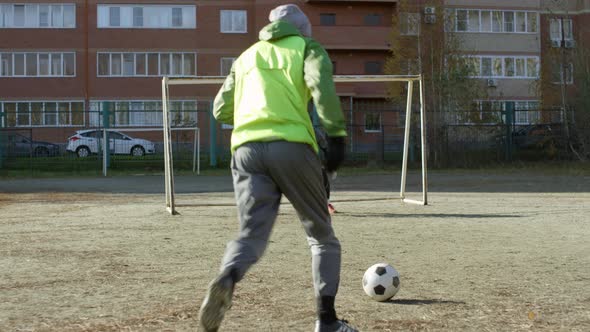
565,34
63,61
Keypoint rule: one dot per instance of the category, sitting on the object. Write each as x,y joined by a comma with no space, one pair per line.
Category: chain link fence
63,137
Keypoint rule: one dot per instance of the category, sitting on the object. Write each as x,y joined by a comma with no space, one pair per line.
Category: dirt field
492,252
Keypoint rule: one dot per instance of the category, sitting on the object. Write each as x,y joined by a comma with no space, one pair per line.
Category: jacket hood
277,30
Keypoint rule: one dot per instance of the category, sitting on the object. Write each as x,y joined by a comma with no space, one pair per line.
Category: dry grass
473,260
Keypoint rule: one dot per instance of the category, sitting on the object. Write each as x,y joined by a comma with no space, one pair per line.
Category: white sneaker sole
213,309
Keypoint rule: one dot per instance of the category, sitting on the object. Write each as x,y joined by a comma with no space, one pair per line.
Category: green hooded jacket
265,96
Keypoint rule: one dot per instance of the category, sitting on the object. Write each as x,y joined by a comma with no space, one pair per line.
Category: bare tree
423,42
564,78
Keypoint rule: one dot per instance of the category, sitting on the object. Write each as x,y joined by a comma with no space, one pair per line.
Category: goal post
409,79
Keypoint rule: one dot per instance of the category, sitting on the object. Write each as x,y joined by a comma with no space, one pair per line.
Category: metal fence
375,137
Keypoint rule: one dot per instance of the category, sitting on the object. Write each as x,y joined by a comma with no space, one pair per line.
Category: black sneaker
216,303
337,326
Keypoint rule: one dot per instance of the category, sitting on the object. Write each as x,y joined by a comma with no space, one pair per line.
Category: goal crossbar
410,79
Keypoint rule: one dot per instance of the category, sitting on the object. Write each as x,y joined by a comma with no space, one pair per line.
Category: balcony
353,37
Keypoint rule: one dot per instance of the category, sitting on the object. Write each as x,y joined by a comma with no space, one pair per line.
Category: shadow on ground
423,301
471,182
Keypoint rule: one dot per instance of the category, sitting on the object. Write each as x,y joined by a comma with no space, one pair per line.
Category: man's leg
258,199
297,170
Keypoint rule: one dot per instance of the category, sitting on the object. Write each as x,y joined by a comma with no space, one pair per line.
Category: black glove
335,154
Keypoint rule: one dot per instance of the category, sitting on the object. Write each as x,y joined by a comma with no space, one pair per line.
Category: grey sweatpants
262,172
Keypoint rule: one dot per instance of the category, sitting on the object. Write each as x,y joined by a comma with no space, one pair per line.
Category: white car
86,142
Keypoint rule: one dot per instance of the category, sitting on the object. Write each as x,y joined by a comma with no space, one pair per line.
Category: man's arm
223,106
319,80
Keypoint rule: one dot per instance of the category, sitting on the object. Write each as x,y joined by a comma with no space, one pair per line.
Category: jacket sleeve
223,106
319,80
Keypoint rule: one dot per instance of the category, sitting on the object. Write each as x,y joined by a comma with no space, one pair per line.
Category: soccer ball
381,282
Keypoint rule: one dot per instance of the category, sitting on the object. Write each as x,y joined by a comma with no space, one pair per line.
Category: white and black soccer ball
381,282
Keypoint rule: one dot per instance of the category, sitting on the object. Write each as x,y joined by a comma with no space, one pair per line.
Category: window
103,64
137,16
509,69
31,15
486,67
497,21
5,15
32,64
486,112
5,64
475,67
525,112
56,64
116,64
128,64
146,16
472,20
327,19
410,24
44,113
520,67
496,67
44,66
567,29
558,69
44,16
144,113
486,21
233,21
146,64
165,64
506,66
373,67
57,19
561,29
520,22
531,22
462,20
69,61
508,21
555,29
372,122
69,16
189,64
153,60
18,20
176,64
226,64
140,64
114,16
372,19
532,67
176,17
19,64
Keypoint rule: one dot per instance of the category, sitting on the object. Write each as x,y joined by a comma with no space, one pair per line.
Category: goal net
218,80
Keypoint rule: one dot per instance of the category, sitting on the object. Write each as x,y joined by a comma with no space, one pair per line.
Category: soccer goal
409,79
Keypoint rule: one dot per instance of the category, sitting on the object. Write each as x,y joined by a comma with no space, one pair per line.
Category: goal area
167,82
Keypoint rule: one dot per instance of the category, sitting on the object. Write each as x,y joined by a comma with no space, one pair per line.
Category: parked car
86,142
16,145
538,136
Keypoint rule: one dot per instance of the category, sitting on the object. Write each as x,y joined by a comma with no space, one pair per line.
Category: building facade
63,62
